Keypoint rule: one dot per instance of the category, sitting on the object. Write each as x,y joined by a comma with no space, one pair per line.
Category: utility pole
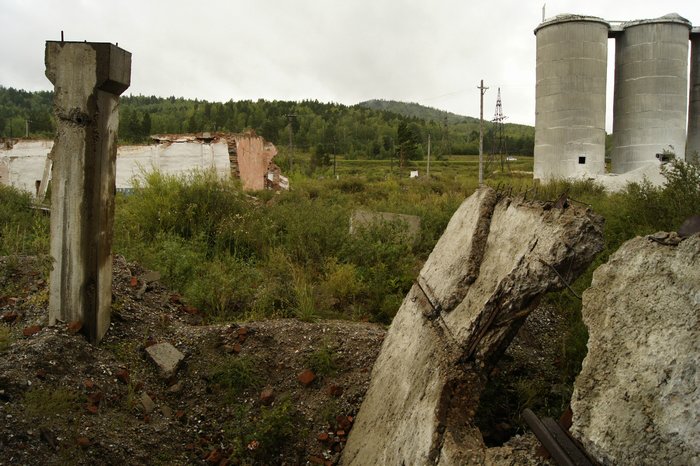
291,143
335,164
428,170
482,91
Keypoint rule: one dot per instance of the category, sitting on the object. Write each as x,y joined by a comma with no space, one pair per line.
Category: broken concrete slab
166,357
636,400
497,257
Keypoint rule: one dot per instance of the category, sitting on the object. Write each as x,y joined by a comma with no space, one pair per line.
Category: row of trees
355,131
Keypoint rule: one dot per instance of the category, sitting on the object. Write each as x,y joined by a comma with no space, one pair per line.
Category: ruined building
26,164
651,100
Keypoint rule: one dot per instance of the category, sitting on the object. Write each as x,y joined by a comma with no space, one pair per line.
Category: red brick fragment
323,437
122,375
224,462
214,456
75,326
267,396
340,433
243,331
235,348
134,282
91,408
335,390
95,397
252,446
89,384
179,414
83,442
9,316
316,460
306,377
190,309
31,330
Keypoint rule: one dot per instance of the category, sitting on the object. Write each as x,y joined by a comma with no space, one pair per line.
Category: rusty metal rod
546,439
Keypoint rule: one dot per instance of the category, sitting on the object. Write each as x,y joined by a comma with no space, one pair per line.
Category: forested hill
355,131
413,110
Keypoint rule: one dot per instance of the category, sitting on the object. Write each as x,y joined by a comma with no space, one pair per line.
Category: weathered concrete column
88,79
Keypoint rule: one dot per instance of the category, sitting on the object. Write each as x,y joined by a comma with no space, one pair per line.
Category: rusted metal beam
551,435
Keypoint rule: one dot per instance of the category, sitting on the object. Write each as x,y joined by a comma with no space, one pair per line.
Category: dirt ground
242,395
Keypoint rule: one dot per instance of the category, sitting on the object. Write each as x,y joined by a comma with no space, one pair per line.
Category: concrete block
636,400
166,357
497,257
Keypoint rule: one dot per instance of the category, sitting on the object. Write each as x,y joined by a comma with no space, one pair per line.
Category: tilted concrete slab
636,400
497,257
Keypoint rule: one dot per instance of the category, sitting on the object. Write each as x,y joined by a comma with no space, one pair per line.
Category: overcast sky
433,52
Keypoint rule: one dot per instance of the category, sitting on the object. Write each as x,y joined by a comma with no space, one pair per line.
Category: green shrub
23,230
323,361
264,437
235,375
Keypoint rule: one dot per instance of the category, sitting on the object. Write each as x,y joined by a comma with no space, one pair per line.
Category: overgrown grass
6,338
47,402
261,437
235,375
324,360
23,230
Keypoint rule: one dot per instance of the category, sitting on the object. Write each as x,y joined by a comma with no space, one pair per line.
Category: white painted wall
24,163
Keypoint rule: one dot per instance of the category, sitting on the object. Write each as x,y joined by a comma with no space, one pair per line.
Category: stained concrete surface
487,272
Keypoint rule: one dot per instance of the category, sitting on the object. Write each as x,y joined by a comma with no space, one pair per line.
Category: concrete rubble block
496,258
87,78
366,219
636,400
166,357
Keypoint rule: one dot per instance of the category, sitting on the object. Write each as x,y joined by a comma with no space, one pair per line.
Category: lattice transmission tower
499,151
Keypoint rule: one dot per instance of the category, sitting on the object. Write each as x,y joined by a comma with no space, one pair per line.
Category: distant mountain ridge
414,110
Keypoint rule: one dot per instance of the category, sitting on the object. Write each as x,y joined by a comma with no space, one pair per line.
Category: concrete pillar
692,149
88,79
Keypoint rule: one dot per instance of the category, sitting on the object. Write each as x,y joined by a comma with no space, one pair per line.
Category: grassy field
239,256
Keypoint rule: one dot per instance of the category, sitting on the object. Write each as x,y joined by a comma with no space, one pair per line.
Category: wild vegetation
238,257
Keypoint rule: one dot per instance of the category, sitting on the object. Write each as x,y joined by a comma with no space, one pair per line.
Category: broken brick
95,397
214,456
190,309
306,377
83,442
235,348
267,396
9,316
133,282
122,375
316,460
75,326
335,390
89,384
31,330
322,437
91,408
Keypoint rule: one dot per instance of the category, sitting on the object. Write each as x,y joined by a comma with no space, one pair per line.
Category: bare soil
65,401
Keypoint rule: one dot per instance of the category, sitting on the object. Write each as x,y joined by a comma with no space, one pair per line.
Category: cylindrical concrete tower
692,150
651,91
572,54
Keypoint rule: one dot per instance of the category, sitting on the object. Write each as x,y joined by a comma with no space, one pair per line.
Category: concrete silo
692,150
572,54
651,90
